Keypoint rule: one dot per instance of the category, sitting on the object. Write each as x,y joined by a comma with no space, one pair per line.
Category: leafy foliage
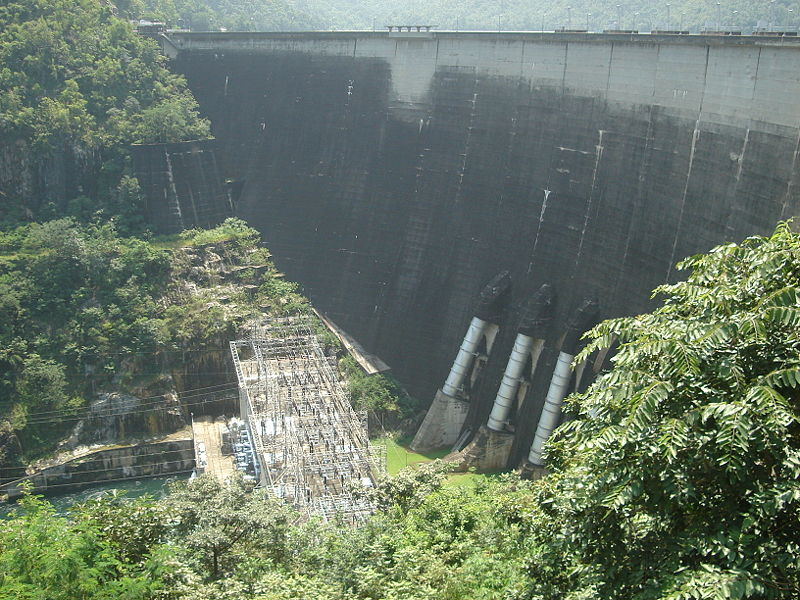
132,527
43,555
677,479
679,476
379,393
222,524
410,487
73,72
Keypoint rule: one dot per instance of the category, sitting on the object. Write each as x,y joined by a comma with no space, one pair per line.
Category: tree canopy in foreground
679,477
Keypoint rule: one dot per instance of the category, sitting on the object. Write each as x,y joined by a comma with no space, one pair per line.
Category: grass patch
229,230
464,480
168,242
181,240
398,456
178,240
460,480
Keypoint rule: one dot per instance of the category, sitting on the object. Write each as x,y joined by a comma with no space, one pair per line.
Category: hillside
234,15
269,15
675,477
77,86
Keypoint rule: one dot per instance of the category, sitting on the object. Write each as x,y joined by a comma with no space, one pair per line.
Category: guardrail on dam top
394,174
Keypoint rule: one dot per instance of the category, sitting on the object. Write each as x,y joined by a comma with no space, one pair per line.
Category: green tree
78,85
223,523
679,478
43,556
379,393
171,120
410,487
41,383
133,527
84,309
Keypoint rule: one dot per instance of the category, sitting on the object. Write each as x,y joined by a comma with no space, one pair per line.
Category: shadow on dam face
393,179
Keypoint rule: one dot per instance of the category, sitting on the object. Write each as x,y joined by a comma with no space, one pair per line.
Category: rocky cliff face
36,183
210,294
89,466
215,280
114,417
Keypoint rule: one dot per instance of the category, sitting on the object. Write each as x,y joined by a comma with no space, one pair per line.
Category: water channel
156,487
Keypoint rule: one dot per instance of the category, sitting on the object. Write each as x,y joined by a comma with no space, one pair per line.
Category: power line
76,418
107,412
72,412
106,469
68,412
146,407
153,352
41,472
9,469
183,394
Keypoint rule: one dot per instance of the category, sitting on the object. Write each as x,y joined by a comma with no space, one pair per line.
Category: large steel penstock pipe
465,356
510,383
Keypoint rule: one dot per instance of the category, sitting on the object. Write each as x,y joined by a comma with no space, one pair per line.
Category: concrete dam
395,174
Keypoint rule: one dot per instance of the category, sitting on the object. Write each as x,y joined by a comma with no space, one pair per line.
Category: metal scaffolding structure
312,447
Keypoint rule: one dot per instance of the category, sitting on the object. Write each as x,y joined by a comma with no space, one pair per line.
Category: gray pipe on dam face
559,385
393,177
527,347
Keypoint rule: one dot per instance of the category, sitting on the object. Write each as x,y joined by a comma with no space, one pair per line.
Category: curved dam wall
393,175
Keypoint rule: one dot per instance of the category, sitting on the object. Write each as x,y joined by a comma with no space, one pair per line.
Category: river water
156,487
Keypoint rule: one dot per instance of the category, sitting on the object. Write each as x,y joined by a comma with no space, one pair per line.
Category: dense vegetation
679,478
83,309
77,81
206,542
379,394
234,15
266,15
538,14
